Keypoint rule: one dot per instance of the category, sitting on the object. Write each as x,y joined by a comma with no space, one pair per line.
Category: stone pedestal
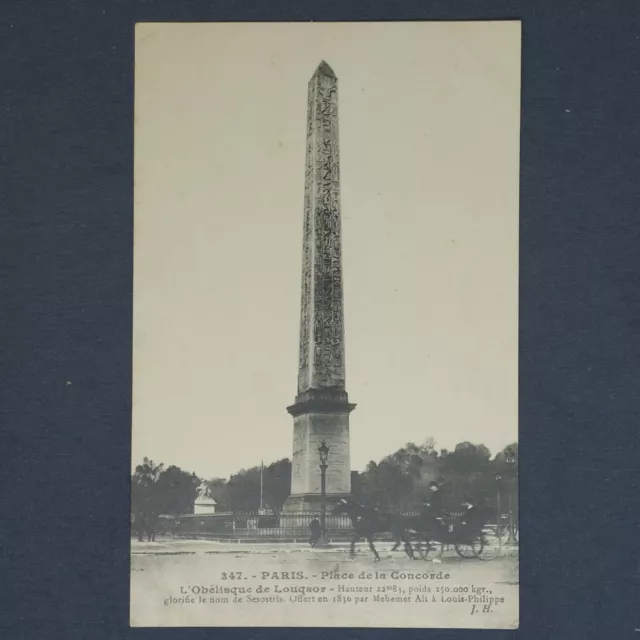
319,416
204,505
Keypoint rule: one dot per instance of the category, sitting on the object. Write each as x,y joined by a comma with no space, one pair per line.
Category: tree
219,491
143,483
508,473
244,490
391,485
156,490
358,486
399,481
501,456
176,491
277,484
467,473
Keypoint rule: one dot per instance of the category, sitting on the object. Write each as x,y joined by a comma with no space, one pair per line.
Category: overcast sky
429,144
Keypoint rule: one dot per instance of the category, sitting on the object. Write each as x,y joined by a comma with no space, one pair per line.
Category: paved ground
167,573
169,545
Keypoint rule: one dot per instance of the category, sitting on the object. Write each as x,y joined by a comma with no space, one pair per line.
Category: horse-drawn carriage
468,532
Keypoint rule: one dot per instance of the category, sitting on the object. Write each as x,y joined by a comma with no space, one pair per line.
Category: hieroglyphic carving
300,436
321,361
306,302
329,340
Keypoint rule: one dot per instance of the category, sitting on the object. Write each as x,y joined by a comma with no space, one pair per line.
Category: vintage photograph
325,366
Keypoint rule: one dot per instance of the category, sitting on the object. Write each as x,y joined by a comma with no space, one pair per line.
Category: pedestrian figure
314,526
140,526
433,512
151,526
433,506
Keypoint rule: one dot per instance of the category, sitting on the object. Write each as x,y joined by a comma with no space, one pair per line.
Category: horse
367,522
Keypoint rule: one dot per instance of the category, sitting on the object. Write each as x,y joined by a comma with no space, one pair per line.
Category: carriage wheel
491,547
493,543
470,550
501,532
422,546
508,535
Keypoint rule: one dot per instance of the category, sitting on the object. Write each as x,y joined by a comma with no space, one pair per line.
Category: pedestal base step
312,502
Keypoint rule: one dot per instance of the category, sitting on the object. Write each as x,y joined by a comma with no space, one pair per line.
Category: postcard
325,367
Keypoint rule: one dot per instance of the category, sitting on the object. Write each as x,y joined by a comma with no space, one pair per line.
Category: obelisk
321,408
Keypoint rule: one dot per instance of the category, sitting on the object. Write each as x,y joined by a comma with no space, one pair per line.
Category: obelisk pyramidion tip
324,70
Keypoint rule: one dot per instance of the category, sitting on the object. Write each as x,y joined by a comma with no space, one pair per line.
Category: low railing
255,525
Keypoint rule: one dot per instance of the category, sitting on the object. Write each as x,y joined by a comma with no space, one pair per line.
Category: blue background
66,193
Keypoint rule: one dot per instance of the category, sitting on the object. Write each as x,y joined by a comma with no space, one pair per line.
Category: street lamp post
498,479
323,453
510,460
